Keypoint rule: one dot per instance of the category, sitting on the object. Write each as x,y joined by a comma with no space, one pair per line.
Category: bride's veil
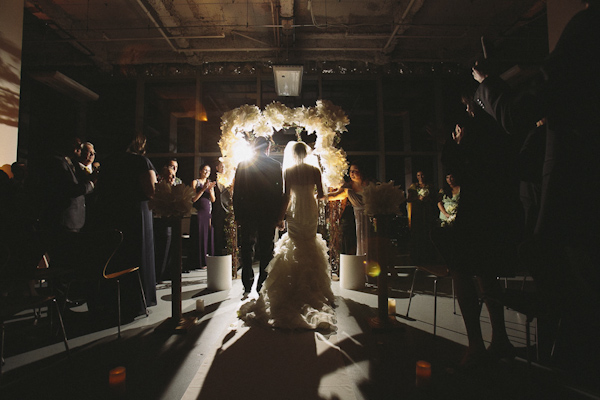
290,159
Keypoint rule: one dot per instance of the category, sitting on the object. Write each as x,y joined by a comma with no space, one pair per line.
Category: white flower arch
325,120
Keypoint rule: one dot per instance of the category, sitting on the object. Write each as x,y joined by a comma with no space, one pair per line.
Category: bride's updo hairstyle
300,152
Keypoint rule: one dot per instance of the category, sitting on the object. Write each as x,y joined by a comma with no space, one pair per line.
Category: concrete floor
221,358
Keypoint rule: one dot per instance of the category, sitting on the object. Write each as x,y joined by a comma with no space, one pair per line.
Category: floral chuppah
326,120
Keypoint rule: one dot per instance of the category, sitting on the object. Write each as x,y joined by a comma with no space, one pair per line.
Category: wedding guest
420,209
163,231
64,205
203,202
174,165
481,241
347,228
257,202
126,184
353,191
563,255
87,169
449,200
167,174
219,212
87,158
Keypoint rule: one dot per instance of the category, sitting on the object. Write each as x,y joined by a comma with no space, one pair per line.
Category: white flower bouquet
383,198
172,201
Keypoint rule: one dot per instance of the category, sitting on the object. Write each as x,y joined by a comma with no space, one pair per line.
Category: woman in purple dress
205,196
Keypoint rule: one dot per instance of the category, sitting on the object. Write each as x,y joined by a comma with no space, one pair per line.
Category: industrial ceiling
110,34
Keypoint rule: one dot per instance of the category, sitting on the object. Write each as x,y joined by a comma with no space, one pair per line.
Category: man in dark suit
257,202
563,255
64,203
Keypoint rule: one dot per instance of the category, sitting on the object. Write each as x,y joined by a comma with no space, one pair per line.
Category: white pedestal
352,272
218,272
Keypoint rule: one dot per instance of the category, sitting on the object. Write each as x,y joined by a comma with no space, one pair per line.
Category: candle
200,305
392,307
423,373
116,379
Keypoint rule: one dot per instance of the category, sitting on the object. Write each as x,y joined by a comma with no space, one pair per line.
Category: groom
257,202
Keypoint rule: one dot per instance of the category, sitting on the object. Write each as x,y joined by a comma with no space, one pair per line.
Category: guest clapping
203,199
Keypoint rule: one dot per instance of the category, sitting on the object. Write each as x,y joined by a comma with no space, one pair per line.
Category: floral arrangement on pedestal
171,201
325,120
383,198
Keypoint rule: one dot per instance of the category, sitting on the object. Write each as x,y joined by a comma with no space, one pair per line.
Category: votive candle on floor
392,307
200,305
423,373
116,379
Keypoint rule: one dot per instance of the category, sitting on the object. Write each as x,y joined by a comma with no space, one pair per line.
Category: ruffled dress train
297,292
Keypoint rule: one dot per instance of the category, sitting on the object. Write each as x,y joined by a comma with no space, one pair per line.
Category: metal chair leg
453,296
1,346
435,305
528,341
62,326
412,287
119,307
143,294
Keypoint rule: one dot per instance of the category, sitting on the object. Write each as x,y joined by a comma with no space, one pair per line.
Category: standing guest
353,191
420,217
348,228
203,199
88,169
63,212
563,256
64,205
480,240
174,165
87,158
163,231
219,212
449,200
257,202
124,188
167,174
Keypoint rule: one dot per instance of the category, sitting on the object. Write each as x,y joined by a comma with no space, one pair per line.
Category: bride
297,293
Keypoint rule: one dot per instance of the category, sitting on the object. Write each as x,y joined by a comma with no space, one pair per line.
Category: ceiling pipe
286,13
157,25
274,21
277,49
250,38
107,39
398,24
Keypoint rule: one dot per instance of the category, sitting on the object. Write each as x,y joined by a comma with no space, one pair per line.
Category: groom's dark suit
257,202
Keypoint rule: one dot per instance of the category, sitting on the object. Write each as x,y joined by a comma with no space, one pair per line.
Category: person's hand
478,75
209,185
458,134
281,225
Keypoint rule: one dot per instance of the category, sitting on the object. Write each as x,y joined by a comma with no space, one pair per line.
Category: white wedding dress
297,292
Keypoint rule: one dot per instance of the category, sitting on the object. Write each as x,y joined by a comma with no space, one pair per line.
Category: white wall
11,39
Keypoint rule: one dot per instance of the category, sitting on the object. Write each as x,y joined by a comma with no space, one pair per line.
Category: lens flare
242,151
373,269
